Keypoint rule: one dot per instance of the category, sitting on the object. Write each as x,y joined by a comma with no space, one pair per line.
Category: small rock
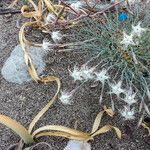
77,145
15,70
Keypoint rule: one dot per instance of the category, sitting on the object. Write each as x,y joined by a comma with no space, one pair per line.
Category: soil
23,102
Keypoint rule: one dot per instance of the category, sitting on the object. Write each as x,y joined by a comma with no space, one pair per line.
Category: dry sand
22,102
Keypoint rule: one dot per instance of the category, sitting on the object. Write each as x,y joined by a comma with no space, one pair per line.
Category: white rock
77,145
15,70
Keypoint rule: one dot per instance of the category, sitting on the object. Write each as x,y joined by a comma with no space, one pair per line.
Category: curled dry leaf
144,125
17,128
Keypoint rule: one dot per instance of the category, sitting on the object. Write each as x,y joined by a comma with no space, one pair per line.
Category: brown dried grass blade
61,134
107,128
43,111
61,129
28,14
97,121
118,132
27,58
99,117
34,5
146,127
17,128
109,111
102,130
50,7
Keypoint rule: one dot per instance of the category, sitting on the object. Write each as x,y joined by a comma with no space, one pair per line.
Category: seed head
102,76
138,30
116,88
65,97
127,113
127,40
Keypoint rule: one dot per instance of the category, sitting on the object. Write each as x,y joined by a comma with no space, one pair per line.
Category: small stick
9,11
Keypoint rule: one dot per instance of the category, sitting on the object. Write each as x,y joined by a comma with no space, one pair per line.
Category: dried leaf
109,111
118,132
146,127
50,7
107,128
43,111
97,121
102,130
17,128
61,129
99,117
62,134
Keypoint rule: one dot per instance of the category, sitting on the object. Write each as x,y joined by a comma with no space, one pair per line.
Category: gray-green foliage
108,33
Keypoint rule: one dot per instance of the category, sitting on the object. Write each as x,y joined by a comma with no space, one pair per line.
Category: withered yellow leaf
17,128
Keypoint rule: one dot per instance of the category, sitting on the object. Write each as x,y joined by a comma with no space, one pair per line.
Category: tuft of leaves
132,62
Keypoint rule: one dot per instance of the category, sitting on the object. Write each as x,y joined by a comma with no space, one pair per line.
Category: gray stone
15,70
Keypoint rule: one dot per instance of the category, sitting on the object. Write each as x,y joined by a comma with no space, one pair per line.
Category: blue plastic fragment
122,16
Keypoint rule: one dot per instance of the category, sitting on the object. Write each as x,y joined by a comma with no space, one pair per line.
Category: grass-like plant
123,45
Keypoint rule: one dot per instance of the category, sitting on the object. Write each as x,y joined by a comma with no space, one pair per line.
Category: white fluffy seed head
127,40
116,88
76,74
65,98
127,113
130,98
138,30
102,76
56,36
87,73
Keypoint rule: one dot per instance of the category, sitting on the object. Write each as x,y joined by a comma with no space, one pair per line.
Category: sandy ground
22,102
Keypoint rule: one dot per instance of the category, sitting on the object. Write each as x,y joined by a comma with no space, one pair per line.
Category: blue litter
122,16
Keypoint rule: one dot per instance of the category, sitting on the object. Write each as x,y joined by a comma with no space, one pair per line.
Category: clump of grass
124,45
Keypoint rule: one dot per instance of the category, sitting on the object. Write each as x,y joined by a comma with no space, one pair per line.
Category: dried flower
127,113
116,88
101,76
65,97
138,30
76,74
56,36
127,40
77,6
87,73
130,98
